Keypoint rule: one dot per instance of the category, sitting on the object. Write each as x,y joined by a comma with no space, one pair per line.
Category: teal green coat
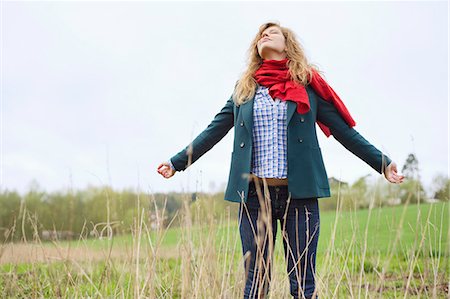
307,176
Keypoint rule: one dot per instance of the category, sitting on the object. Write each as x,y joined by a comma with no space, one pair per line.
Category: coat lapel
291,107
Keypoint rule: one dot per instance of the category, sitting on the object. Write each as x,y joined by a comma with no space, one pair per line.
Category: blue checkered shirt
269,153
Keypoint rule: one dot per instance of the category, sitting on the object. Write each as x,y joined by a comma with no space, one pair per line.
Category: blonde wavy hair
299,68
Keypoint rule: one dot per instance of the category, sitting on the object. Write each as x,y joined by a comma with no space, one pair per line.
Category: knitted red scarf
274,74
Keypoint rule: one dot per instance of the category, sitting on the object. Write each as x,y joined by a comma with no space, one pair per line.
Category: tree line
102,211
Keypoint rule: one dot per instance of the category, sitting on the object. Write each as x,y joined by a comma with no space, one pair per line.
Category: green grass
391,251
384,224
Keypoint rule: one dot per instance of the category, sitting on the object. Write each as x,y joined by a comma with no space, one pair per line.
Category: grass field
389,252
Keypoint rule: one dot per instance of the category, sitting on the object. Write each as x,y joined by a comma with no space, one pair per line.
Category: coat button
242,123
300,140
242,144
302,119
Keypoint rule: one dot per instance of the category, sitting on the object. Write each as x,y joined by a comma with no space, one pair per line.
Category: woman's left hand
390,173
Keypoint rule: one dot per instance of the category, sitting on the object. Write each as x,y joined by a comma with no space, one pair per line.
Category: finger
160,165
395,176
400,177
395,180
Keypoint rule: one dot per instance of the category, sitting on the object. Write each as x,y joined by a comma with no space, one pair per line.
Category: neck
274,56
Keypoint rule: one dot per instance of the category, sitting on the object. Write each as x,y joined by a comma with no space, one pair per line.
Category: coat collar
247,112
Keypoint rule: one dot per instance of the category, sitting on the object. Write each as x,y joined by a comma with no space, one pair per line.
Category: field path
18,253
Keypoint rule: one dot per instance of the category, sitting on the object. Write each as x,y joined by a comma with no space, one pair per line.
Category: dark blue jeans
300,223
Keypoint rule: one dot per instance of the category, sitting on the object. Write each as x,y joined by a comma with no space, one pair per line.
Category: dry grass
209,264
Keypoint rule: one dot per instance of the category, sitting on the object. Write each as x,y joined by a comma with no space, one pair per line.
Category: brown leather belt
271,181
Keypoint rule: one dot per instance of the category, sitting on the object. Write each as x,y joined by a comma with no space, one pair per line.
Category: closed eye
271,32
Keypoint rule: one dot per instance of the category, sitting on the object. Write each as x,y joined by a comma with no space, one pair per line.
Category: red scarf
274,74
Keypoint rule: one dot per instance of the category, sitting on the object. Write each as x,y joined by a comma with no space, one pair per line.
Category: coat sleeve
216,130
349,137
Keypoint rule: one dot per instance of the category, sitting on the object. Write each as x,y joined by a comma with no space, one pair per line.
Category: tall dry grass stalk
207,261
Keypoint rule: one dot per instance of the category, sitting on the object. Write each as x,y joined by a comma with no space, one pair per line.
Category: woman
273,109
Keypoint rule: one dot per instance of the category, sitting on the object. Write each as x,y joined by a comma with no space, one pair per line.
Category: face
272,44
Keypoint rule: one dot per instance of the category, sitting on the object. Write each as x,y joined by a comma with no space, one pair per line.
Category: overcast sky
102,92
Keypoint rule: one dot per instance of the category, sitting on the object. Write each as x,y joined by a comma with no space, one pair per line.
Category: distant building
335,182
54,235
431,200
157,220
394,201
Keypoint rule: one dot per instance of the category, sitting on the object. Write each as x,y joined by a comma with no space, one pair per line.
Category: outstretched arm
216,130
354,142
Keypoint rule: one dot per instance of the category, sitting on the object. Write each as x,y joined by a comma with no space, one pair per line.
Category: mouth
264,40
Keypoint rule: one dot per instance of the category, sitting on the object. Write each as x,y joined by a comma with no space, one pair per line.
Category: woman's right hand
165,170
391,174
